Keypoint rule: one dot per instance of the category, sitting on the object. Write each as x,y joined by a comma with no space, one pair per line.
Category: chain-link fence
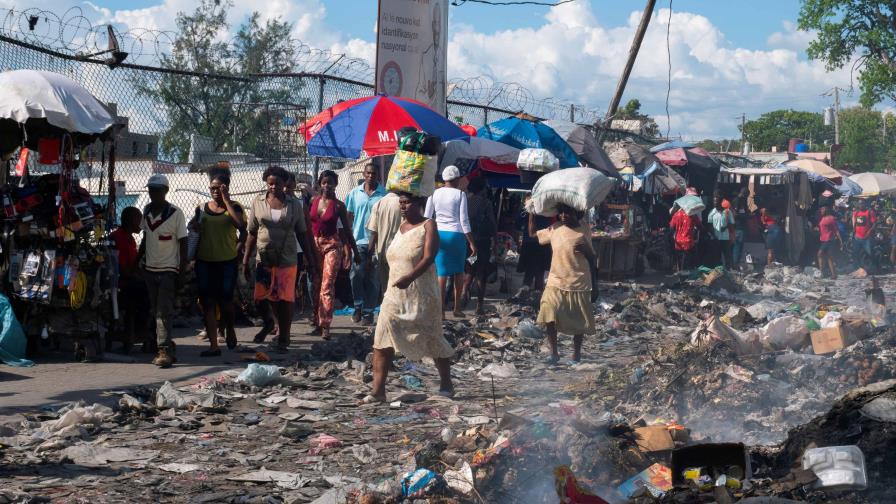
248,122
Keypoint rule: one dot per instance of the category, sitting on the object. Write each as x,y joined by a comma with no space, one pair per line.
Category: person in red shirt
684,227
828,232
132,294
864,220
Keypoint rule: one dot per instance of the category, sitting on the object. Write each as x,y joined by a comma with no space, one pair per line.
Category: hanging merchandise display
61,269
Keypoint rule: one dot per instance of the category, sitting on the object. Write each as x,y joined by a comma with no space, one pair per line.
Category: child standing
566,301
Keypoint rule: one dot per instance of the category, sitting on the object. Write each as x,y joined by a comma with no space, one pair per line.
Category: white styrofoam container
837,467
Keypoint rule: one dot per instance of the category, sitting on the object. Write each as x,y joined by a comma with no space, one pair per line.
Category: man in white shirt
164,257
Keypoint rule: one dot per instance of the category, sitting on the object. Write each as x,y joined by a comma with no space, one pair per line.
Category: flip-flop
369,399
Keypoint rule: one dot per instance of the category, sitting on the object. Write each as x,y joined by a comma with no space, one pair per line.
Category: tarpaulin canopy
466,152
585,146
371,124
874,184
815,166
526,134
674,144
35,104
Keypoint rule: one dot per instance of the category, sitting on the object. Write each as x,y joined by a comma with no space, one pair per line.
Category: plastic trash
830,319
786,332
495,370
89,415
460,480
527,329
420,483
259,375
169,397
813,272
12,337
411,382
837,467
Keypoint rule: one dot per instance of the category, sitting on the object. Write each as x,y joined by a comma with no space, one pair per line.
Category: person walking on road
483,227
163,252
722,221
448,207
410,321
385,220
566,301
827,232
359,204
275,223
685,233
221,224
864,222
330,242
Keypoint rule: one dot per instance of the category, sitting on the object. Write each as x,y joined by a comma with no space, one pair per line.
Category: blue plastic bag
12,337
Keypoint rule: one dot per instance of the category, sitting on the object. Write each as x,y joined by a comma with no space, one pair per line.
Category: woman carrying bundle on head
566,301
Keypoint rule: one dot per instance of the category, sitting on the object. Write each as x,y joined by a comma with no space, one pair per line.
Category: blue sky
746,23
728,56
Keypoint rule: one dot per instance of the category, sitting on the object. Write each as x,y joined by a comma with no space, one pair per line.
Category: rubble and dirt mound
697,361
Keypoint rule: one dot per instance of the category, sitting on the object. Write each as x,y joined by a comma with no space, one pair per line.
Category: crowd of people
858,234
401,253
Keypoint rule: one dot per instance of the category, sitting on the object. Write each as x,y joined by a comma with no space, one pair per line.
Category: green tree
213,90
776,128
724,145
845,28
866,147
632,111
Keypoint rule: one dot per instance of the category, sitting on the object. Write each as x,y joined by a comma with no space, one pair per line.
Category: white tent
875,184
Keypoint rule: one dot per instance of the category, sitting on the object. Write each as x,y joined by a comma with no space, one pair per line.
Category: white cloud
571,55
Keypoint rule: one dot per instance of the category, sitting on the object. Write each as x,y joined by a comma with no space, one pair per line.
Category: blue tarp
12,337
525,134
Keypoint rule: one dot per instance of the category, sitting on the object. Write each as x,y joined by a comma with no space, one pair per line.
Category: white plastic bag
538,160
259,374
579,188
786,332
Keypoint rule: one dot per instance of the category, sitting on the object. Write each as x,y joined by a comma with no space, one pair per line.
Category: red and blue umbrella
371,125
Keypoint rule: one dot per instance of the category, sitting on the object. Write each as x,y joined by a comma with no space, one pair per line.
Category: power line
458,3
669,76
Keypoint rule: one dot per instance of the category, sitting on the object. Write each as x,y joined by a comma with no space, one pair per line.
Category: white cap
157,180
450,173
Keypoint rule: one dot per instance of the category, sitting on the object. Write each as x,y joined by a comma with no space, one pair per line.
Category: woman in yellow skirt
566,301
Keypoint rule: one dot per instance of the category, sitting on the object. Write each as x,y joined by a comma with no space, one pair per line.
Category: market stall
785,193
61,274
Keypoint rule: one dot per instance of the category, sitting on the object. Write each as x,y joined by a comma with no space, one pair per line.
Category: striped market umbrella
370,125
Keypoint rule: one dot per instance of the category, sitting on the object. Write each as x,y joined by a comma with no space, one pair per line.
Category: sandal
210,353
458,314
325,334
317,331
447,393
371,399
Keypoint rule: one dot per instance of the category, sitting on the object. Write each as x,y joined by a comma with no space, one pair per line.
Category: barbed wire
72,33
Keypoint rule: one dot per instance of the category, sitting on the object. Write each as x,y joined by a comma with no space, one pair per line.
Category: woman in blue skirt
448,207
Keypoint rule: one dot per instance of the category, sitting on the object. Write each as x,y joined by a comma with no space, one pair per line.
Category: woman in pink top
327,212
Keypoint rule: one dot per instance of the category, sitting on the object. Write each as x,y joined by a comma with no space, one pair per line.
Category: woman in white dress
410,321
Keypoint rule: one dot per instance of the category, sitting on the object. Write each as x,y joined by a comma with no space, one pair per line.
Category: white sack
579,188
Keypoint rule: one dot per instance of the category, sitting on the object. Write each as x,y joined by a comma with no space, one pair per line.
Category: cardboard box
654,438
830,340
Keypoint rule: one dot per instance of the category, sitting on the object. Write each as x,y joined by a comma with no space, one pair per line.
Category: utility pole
743,130
632,55
836,115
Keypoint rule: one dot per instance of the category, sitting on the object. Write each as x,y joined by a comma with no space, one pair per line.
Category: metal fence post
320,108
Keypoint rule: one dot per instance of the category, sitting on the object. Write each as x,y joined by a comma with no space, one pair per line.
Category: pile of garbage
715,387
